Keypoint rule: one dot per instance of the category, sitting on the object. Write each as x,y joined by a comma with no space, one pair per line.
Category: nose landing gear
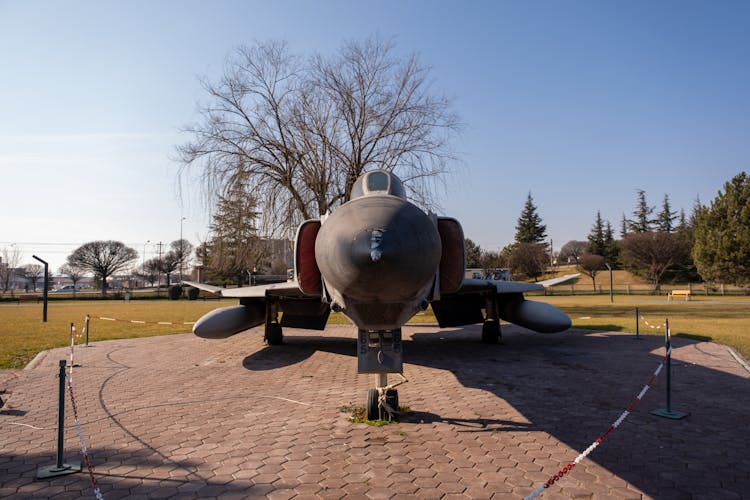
382,401
380,352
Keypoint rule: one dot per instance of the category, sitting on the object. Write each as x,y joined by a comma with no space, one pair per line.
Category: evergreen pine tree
682,224
665,219
623,226
473,253
611,250
235,246
596,236
529,228
641,221
697,207
722,234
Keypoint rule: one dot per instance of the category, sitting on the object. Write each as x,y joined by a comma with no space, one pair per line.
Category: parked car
67,288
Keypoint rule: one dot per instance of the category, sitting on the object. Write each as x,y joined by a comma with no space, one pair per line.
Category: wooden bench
679,293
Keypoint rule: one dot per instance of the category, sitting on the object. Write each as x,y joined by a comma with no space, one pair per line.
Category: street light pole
182,248
44,292
144,251
143,264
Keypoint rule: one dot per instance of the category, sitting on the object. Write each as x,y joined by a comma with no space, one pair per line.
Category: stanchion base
674,415
48,471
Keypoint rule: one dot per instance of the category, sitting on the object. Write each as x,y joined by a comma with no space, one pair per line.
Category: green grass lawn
23,334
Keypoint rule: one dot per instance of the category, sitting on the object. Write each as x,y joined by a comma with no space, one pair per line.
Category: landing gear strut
491,331
491,327
273,335
379,352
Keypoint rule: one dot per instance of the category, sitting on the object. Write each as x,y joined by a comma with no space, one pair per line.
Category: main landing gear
491,331
274,335
379,352
491,327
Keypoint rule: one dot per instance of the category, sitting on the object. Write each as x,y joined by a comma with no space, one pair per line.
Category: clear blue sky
581,103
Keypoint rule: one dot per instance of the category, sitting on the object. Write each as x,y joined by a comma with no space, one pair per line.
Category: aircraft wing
286,289
298,310
470,285
468,304
560,280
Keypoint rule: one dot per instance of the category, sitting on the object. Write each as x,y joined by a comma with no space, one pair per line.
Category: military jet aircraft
379,259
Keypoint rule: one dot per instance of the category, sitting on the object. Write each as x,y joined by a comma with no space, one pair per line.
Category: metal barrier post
60,468
667,412
88,319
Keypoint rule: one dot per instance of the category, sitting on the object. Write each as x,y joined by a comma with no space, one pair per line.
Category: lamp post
44,291
182,248
143,264
144,251
611,299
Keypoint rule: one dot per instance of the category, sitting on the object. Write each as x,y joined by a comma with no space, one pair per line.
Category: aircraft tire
391,397
274,334
372,405
490,332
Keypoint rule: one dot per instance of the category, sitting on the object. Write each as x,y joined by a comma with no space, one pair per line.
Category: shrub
175,292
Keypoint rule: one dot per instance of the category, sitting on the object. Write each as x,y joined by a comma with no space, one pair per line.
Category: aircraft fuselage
378,256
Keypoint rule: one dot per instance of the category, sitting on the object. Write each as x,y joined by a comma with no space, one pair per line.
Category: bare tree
32,273
149,271
182,250
652,253
9,261
573,250
169,264
390,119
298,133
490,260
590,264
529,259
74,273
102,258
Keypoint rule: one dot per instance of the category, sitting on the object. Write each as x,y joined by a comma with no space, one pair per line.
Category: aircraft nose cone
378,249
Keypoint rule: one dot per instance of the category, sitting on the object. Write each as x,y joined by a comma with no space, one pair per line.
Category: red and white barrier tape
615,425
657,327
82,442
146,322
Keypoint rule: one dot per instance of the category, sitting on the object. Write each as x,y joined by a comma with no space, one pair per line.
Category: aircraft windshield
378,182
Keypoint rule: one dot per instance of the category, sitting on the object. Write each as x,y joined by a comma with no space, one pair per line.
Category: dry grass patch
725,320
23,334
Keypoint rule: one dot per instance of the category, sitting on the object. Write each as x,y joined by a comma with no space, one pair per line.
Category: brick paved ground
183,417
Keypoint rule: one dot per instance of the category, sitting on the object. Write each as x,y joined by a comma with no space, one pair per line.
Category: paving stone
181,417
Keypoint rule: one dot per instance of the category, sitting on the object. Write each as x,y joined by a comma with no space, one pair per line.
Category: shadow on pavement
573,386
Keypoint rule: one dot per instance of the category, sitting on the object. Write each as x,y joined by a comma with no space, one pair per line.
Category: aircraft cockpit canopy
378,182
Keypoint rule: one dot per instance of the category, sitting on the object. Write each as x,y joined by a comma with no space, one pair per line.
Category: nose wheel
380,352
382,401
